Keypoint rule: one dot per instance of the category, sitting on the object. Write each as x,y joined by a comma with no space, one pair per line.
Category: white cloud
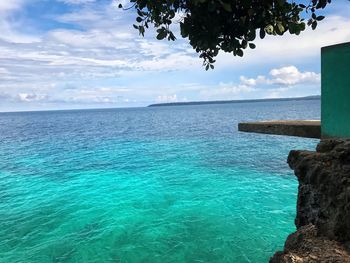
166,98
4,96
100,55
289,76
291,48
281,82
93,38
11,35
76,2
10,5
81,17
4,71
281,92
25,97
252,82
8,27
104,95
169,62
227,91
230,88
292,76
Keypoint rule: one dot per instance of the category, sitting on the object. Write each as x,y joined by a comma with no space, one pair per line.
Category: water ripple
174,184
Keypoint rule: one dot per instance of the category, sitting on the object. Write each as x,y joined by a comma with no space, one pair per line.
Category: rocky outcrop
306,246
323,206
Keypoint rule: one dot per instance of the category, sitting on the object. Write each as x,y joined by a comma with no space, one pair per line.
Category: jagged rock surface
323,206
324,188
305,246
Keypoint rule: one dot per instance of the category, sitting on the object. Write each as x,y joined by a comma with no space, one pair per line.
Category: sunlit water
167,184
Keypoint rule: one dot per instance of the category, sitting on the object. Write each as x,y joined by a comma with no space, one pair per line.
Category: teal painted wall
335,109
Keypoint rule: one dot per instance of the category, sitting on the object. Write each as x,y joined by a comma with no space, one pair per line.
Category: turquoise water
171,184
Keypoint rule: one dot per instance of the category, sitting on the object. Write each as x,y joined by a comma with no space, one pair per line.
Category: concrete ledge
299,128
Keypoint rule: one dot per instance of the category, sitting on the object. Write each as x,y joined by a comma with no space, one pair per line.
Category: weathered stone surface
323,206
324,188
305,246
308,129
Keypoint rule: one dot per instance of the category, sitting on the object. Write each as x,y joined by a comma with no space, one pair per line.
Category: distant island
316,97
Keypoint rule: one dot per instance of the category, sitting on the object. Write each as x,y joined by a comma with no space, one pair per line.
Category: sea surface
163,184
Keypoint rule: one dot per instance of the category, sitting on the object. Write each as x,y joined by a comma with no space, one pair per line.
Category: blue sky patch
85,54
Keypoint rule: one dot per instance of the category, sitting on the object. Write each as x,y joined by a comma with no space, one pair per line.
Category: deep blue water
165,184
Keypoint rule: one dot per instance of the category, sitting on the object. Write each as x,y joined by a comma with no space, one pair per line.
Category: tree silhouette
227,25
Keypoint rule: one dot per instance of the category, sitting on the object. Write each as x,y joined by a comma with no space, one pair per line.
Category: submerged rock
323,206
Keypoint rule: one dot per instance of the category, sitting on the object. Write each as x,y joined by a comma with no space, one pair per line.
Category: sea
147,185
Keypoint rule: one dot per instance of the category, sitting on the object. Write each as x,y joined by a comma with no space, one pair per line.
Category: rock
323,205
324,188
305,246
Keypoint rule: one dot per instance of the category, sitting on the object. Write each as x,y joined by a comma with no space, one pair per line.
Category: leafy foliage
227,25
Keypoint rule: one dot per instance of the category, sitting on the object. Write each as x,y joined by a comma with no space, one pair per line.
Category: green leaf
227,25
226,6
162,34
262,33
142,30
171,36
292,28
244,43
251,35
211,6
183,29
269,29
280,2
280,27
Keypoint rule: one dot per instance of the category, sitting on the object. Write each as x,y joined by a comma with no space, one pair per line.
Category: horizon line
183,103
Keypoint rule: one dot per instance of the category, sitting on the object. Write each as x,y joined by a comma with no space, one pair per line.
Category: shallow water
166,184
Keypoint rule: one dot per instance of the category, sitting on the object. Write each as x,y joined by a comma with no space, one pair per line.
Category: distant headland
316,97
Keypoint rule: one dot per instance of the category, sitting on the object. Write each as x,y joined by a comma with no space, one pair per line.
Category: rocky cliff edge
323,205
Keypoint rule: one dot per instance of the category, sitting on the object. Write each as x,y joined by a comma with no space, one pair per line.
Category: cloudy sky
64,54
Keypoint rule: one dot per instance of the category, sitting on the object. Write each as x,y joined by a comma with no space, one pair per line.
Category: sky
74,54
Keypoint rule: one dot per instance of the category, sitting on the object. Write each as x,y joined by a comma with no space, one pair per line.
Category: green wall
335,109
